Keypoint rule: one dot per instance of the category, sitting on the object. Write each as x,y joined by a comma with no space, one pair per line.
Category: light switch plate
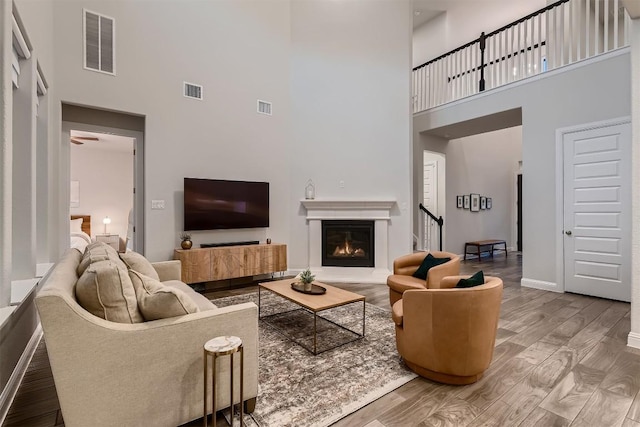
157,204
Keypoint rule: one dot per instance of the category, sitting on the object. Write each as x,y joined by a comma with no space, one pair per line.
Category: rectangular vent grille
99,42
192,91
264,107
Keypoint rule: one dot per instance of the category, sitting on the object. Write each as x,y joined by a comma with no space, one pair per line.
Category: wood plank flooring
560,360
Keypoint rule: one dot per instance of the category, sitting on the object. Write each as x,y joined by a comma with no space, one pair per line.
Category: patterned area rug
299,389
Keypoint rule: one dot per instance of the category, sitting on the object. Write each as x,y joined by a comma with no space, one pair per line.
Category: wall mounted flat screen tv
213,204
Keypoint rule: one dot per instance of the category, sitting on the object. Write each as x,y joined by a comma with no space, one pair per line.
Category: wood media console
229,262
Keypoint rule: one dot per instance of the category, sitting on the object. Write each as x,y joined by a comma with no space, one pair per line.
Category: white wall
351,122
239,52
484,164
106,183
463,22
340,103
583,93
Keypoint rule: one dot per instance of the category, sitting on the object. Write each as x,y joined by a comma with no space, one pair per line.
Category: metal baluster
587,50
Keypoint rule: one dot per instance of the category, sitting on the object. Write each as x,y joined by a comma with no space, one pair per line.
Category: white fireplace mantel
377,210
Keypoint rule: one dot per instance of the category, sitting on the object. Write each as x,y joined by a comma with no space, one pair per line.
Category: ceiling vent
99,42
192,91
264,107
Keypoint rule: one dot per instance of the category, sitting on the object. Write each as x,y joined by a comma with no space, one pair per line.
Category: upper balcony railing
562,33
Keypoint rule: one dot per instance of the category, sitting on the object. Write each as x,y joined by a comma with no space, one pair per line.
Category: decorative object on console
310,191
186,240
106,220
268,240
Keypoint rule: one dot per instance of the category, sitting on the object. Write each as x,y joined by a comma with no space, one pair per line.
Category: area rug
299,389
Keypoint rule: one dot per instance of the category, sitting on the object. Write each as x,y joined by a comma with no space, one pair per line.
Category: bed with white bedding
80,231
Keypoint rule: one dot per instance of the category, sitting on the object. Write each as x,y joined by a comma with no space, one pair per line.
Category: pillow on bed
76,225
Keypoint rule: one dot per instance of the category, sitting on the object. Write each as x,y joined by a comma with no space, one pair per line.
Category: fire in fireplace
348,243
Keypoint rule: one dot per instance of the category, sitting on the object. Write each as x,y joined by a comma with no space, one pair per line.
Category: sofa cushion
475,280
157,301
201,301
97,251
139,263
105,290
427,263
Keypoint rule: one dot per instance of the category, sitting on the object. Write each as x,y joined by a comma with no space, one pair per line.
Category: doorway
432,198
112,146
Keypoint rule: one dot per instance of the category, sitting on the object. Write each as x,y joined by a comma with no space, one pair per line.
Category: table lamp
106,221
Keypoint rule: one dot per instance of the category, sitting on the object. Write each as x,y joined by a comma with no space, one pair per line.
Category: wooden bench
479,244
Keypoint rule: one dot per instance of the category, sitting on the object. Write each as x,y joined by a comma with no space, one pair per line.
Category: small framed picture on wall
483,202
475,202
459,201
488,202
466,203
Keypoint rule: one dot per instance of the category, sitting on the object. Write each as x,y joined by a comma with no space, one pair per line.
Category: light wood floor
560,360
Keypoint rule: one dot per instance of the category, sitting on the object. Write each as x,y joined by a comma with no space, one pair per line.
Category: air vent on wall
192,91
264,107
99,42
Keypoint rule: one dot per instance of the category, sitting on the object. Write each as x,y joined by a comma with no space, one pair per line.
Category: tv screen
213,204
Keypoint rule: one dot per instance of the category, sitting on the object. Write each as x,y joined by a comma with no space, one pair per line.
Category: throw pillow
139,263
157,301
475,280
105,290
75,225
428,262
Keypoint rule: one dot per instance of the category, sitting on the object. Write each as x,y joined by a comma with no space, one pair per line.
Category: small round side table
218,347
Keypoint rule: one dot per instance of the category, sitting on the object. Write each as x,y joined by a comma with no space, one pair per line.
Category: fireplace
348,243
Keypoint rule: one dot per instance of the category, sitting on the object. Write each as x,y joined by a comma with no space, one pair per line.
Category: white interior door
597,208
430,201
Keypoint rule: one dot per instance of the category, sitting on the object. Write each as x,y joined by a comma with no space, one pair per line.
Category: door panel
597,205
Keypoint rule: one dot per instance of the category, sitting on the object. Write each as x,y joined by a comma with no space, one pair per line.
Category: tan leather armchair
402,280
448,335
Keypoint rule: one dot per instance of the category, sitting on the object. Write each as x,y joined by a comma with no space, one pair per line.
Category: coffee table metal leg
259,301
241,384
315,333
364,305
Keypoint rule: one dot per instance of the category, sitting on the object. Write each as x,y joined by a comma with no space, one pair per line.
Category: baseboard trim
540,284
633,340
11,389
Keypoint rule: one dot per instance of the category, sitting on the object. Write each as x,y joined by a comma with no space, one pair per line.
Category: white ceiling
105,141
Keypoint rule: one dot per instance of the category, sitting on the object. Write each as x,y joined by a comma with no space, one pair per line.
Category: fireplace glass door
348,243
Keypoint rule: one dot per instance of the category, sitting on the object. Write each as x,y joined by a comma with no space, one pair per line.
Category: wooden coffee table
334,297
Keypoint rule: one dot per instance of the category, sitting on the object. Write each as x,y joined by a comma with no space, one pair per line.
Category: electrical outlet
341,184
157,204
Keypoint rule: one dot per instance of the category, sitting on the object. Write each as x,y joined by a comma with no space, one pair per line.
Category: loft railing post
440,222
483,42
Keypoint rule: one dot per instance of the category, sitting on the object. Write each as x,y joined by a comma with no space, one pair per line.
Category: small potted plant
306,278
186,240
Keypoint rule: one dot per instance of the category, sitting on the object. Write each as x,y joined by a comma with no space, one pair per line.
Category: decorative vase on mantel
186,241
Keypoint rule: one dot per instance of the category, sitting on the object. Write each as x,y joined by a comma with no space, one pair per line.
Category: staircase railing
559,34
427,230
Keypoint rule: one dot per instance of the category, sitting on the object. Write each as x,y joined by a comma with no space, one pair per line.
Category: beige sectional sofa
110,371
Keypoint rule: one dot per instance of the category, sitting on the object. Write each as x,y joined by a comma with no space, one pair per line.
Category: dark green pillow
475,280
428,262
